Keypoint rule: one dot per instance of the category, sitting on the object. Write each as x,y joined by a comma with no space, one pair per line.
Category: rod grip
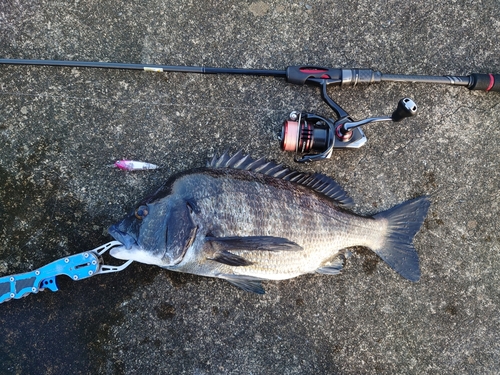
484,82
300,75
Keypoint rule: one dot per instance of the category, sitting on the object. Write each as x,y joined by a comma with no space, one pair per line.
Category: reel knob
406,108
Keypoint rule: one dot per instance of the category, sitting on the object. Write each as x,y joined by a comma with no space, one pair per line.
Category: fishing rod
307,133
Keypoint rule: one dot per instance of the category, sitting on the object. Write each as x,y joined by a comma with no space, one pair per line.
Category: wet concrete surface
60,128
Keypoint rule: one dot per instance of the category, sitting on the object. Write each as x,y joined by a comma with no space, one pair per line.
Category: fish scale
310,221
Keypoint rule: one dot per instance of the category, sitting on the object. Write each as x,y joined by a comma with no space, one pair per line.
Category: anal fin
332,268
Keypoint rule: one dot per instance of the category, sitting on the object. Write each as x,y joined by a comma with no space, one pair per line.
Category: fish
249,220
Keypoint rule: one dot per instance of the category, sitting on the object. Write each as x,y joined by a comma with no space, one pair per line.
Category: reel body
314,135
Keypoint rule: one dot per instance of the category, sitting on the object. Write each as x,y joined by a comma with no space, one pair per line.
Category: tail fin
404,221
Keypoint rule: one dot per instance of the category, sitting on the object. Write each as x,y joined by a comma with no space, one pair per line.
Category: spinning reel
316,136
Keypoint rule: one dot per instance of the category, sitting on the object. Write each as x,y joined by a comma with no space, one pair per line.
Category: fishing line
148,102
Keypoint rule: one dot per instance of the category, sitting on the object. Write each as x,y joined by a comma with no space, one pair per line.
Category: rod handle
299,75
484,82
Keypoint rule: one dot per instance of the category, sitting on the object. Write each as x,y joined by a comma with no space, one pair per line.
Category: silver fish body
248,220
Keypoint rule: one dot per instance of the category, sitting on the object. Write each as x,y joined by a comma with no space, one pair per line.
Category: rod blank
146,67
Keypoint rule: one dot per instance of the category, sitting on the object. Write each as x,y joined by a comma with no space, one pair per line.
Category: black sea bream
246,220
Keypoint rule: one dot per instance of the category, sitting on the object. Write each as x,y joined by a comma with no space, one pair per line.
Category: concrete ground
61,127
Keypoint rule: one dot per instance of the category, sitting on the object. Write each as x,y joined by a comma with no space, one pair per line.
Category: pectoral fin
230,259
262,243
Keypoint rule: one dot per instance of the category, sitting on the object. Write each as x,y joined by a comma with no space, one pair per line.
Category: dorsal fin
316,181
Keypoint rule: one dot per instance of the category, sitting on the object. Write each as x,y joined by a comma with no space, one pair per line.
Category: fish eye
141,212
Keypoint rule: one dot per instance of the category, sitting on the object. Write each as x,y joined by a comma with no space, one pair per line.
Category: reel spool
300,136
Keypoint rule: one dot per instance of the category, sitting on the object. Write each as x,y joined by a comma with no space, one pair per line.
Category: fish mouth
137,254
119,252
131,250
126,239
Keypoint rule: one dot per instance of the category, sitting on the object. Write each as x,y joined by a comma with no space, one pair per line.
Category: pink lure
132,165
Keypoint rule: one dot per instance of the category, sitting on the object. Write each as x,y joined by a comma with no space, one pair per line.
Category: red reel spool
297,136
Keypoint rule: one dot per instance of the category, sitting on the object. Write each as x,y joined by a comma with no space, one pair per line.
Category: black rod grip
484,82
299,75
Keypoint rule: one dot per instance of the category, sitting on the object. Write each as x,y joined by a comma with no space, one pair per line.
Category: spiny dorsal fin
316,181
